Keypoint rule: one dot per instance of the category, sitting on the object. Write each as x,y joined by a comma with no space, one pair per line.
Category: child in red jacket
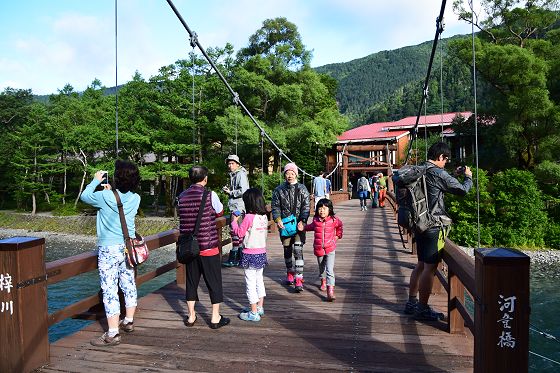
328,229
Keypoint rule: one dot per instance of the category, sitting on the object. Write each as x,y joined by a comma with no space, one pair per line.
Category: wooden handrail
498,280
459,264
62,269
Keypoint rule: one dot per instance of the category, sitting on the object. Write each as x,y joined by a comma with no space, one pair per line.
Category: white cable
544,357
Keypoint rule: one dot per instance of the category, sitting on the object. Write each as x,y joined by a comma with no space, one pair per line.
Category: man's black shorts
427,246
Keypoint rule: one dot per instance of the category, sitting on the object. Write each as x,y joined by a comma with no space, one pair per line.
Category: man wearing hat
290,205
238,184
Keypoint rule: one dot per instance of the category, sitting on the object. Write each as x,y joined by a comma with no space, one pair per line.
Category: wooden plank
363,330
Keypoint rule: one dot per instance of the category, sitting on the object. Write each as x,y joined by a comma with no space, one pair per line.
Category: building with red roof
380,147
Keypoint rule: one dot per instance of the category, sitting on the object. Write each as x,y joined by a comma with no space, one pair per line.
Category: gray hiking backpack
412,197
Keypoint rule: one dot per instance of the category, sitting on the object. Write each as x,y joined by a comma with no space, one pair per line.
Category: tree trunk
65,178
168,195
84,175
34,200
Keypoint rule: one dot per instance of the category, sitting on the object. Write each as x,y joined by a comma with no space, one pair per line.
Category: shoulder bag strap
121,216
200,211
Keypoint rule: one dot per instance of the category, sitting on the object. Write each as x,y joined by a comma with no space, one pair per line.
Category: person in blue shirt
319,187
329,188
113,270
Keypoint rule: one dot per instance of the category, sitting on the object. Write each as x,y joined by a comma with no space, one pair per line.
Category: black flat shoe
189,324
223,322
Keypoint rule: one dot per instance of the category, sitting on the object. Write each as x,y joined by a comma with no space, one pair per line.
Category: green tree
520,217
279,41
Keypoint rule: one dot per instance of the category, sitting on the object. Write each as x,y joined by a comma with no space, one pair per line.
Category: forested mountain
374,87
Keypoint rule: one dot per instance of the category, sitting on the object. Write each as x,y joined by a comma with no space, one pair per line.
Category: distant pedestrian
113,270
329,188
328,230
319,187
363,191
208,263
382,182
374,184
254,231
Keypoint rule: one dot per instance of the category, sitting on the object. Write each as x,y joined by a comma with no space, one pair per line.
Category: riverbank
78,225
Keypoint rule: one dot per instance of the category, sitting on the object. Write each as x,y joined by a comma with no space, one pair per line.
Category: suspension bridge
365,329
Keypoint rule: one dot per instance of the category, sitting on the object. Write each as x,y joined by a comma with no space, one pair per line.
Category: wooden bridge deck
363,330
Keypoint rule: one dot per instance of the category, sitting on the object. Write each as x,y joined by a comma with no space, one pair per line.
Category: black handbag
187,245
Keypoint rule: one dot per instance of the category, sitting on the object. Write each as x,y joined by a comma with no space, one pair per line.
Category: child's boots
323,284
330,293
290,278
299,284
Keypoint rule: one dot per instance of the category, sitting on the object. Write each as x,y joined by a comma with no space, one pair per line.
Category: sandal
189,324
223,322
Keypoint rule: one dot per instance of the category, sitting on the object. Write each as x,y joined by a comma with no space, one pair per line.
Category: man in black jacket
438,182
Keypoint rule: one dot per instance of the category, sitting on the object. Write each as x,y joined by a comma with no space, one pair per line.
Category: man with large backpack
431,229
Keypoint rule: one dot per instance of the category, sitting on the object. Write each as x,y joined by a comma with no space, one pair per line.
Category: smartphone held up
105,178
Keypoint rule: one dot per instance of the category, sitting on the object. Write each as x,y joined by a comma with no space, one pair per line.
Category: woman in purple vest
208,263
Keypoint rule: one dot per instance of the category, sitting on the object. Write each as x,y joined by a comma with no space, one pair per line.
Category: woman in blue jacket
113,271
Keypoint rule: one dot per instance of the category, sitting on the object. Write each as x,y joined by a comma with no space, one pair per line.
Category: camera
236,213
105,179
460,170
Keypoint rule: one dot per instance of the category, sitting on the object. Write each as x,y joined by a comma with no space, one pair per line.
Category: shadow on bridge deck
363,330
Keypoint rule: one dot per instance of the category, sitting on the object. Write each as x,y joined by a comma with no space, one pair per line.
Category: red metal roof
392,130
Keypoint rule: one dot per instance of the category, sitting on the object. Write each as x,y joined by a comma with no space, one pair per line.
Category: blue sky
45,44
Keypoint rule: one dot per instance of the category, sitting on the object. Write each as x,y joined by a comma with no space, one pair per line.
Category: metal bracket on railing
36,280
31,281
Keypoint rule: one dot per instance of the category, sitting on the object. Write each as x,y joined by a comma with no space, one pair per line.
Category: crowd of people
372,188
290,211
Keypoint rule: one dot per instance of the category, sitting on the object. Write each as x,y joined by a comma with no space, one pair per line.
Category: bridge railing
24,276
497,280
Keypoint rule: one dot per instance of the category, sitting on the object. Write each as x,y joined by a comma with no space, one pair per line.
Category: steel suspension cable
475,124
262,161
441,81
193,108
116,88
425,130
439,30
235,95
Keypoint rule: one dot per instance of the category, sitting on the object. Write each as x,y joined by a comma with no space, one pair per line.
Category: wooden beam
350,147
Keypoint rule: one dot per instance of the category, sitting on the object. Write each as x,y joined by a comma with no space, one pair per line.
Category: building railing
497,279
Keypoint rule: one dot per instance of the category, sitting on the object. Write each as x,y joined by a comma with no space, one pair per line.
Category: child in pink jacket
328,229
253,229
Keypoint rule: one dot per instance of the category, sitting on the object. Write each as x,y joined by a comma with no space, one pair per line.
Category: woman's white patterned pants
113,272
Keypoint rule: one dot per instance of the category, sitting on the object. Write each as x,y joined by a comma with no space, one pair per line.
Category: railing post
23,305
501,311
456,294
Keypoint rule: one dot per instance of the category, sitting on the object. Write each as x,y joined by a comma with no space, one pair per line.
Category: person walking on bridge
438,182
290,205
238,184
363,191
319,187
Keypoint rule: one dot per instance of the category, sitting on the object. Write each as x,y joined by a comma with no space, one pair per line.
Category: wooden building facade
381,147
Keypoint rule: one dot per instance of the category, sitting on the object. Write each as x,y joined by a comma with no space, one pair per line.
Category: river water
545,297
